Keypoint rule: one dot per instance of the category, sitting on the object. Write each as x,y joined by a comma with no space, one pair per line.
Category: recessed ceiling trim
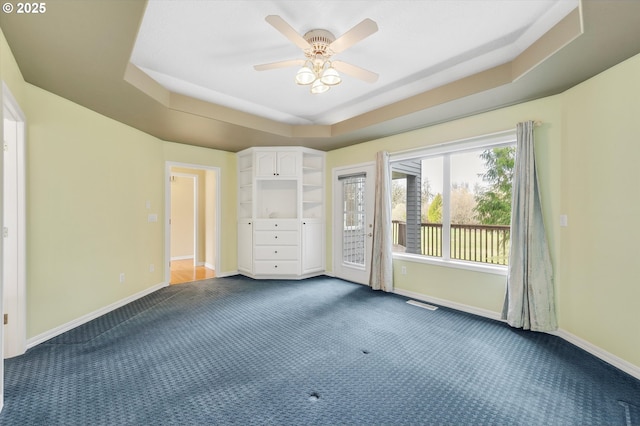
141,80
561,34
206,109
475,83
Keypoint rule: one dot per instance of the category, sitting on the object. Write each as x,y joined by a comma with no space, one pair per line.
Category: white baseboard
619,363
188,257
36,340
449,304
609,358
209,266
226,274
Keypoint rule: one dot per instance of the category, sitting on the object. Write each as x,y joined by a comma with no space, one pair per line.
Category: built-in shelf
281,212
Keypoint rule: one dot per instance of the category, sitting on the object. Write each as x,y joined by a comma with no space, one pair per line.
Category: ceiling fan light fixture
305,75
319,46
318,87
330,76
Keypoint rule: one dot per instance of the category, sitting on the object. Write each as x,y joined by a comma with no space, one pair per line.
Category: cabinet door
245,246
265,164
312,246
289,164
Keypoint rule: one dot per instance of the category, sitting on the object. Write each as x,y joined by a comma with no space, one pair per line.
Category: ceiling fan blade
354,71
281,64
281,25
361,31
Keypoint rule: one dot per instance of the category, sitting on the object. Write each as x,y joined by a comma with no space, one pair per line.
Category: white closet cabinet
277,164
281,207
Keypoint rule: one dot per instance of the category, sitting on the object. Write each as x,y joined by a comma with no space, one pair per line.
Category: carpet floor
319,351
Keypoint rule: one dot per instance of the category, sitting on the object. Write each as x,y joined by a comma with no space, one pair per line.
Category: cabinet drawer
276,238
277,252
276,225
285,267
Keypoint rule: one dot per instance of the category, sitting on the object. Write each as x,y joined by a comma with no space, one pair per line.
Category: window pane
431,188
353,234
399,209
481,204
416,203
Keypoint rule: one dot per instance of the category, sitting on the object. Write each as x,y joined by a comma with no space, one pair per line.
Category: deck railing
476,243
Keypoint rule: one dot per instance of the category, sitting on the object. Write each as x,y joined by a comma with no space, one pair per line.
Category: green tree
425,198
494,202
463,204
434,214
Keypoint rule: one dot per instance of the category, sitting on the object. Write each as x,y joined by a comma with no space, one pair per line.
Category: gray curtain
381,261
529,302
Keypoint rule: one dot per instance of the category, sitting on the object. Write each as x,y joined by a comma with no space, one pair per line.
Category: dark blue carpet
319,351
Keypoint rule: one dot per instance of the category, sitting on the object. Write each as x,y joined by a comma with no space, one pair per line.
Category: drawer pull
275,266
276,237
276,252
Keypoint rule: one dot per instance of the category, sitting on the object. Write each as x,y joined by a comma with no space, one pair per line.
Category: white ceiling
207,49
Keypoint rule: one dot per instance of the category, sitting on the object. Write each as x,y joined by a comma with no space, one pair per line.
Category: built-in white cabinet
245,239
312,231
281,221
278,164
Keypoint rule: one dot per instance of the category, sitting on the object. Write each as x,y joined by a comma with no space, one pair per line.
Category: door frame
16,329
336,221
167,213
196,217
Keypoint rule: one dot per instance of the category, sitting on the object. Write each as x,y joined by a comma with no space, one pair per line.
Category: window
453,201
353,218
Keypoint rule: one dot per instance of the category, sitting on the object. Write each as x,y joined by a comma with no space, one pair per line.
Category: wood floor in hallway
183,271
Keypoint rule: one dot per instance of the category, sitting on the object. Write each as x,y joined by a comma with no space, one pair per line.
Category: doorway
192,211
353,192
13,227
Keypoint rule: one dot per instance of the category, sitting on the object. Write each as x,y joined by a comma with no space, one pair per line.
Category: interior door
353,192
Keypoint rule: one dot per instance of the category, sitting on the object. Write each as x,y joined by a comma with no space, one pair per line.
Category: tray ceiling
183,70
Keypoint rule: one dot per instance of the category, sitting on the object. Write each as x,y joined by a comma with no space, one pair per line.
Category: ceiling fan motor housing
319,40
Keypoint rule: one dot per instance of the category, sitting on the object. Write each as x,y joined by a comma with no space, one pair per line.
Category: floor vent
422,305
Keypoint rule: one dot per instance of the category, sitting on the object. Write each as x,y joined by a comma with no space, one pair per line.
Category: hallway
183,271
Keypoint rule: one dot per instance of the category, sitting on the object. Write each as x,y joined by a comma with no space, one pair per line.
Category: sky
465,168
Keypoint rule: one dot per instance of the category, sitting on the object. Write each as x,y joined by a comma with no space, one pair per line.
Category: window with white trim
453,201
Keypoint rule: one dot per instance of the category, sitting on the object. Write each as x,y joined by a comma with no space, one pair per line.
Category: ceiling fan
317,69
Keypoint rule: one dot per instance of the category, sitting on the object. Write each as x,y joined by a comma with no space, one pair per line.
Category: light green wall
89,180
476,289
9,71
600,291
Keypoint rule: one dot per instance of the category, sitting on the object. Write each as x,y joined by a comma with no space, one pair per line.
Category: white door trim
167,212
16,329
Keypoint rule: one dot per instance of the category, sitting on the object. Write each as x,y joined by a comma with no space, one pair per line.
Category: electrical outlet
403,270
564,220
152,267
122,277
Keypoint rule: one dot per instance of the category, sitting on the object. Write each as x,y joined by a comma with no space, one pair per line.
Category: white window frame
445,150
